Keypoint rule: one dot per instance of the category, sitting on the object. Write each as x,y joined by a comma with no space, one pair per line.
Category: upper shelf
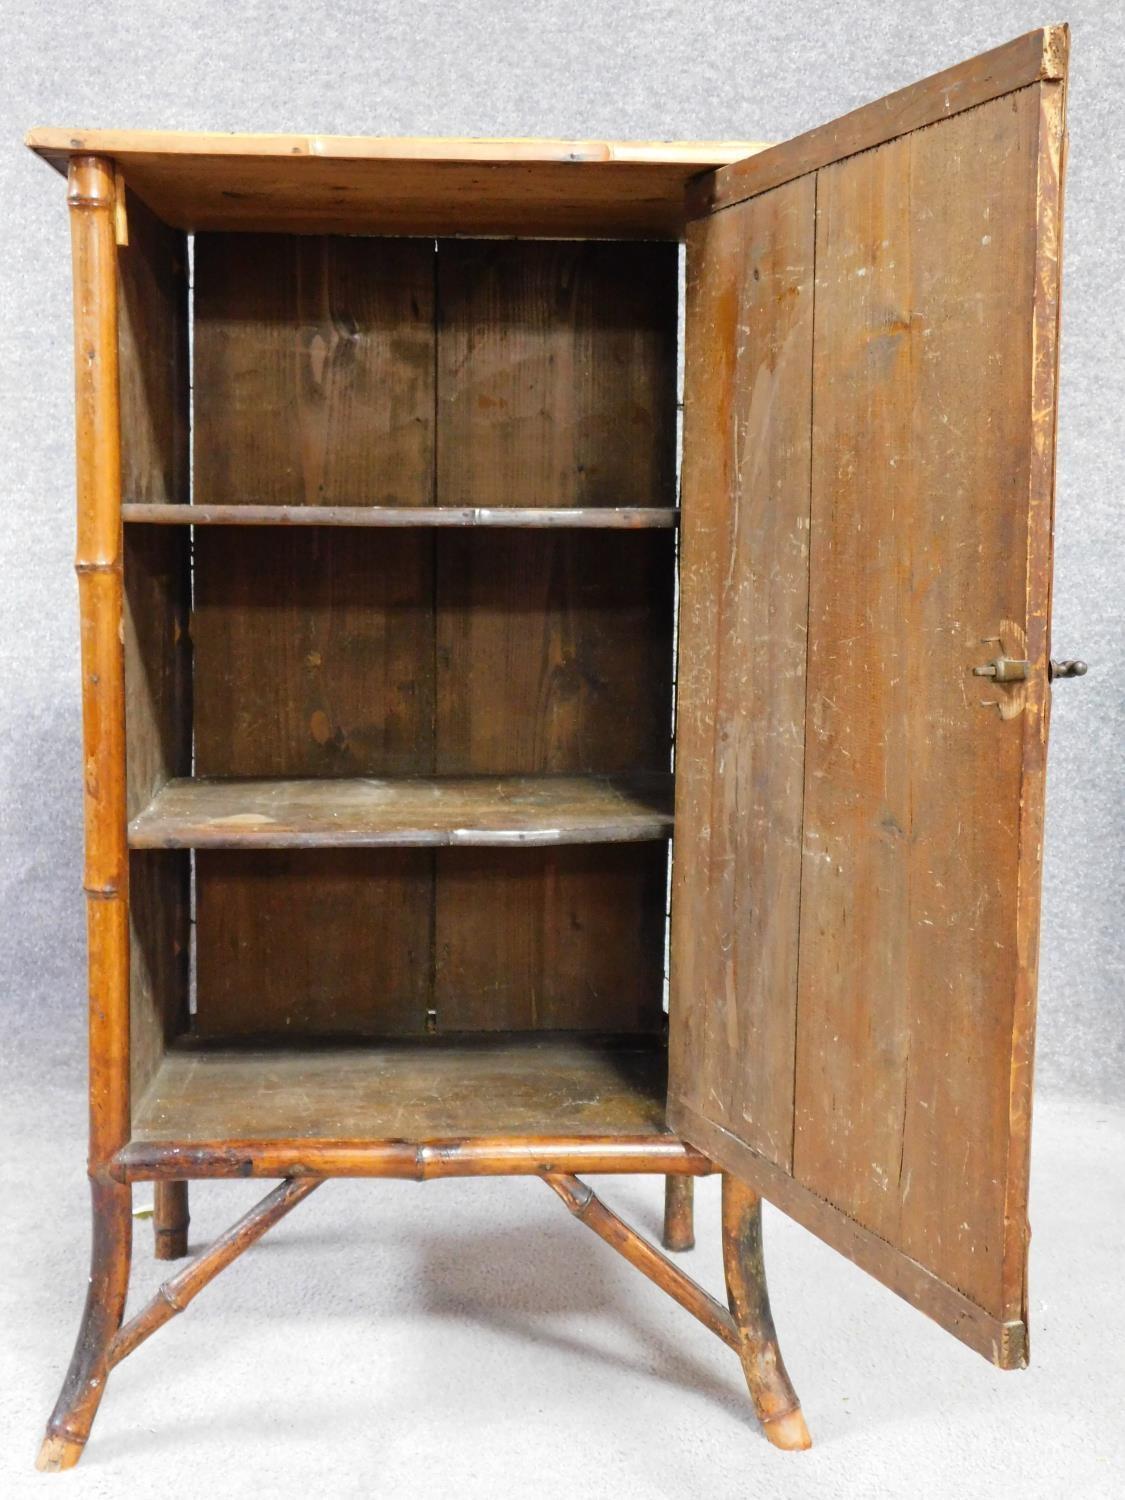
229,813
372,185
607,516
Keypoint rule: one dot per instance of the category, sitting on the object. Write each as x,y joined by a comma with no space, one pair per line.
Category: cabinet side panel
556,387
314,650
741,689
153,374
925,274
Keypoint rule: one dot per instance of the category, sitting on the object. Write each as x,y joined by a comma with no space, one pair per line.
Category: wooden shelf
240,813
437,1088
618,518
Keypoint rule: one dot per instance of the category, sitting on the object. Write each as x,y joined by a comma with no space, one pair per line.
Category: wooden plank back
329,373
906,1056
313,649
556,387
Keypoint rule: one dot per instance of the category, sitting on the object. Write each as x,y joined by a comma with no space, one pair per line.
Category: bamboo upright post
170,1219
679,1213
771,1390
91,198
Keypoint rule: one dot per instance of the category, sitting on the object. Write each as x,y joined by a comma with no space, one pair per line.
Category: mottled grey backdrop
616,68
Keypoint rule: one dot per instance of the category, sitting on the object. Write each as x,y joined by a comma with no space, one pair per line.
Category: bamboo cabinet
388,724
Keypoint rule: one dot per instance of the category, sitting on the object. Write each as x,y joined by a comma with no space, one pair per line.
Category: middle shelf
311,812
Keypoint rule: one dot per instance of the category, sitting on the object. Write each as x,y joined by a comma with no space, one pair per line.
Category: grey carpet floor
465,1339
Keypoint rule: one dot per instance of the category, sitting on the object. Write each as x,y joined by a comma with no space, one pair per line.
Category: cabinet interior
400,784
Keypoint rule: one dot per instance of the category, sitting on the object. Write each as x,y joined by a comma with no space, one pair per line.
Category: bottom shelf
542,1084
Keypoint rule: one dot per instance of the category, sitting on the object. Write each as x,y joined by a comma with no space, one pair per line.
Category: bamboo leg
679,1216
74,1412
170,1219
773,1395
90,196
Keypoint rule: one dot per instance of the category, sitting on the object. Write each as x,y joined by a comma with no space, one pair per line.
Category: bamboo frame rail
176,1293
586,1206
416,1161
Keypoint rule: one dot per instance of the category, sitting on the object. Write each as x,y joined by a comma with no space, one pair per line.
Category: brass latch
1003,669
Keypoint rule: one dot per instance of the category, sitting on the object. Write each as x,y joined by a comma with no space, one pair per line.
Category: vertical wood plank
314,650
741,687
313,653
556,372
554,652
314,370
550,939
556,387
314,942
926,264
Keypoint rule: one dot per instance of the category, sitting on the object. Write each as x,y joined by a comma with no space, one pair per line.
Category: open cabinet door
868,471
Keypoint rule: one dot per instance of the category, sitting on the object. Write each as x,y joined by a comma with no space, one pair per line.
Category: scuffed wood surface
932,415
741,689
314,371
412,1161
408,1091
909,964
246,813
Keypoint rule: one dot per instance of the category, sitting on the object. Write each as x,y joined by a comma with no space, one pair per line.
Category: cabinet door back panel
930,344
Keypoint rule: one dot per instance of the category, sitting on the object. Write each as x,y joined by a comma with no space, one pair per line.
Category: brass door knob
1057,669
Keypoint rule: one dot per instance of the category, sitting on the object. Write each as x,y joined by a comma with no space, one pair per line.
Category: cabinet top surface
383,185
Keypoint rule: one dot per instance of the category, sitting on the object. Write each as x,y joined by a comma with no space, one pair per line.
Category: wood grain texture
314,370
909,961
556,381
741,686
554,653
572,517
370,186
314,942
933,416
1017,64
348,812
570,938
152,346
1002,1343
408,1091
556,373
313,654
